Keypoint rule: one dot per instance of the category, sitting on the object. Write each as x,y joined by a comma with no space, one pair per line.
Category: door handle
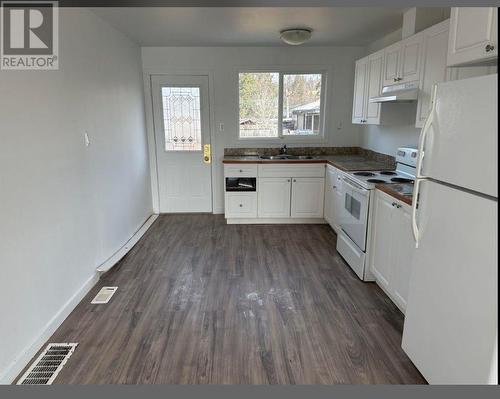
414,225
423,133
207,156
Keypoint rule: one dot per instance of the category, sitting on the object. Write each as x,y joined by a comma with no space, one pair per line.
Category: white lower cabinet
241,205
285,193
274,197
333,196
307,197
392,247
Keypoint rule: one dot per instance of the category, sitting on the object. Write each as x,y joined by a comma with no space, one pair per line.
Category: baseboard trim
276,221
26,355
115,258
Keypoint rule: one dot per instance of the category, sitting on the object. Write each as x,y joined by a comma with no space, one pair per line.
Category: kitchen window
274,105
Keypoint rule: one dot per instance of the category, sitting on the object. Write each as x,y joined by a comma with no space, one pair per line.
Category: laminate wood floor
202,302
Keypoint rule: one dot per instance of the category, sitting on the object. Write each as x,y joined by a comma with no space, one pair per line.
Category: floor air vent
46,367
104,295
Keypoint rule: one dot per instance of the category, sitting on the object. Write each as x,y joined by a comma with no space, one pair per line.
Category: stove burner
375,181
363,174
388,173
401,180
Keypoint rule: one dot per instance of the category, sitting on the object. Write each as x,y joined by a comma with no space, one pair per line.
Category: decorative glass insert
181,118
259,104
301,104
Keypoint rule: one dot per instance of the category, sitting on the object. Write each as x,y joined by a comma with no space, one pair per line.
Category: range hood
402,93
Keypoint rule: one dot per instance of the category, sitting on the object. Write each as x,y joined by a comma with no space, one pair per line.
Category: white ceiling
251,26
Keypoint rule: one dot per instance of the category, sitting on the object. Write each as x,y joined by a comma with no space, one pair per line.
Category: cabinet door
339,202
473,35
411,50
391,64
382,240
358,104
435,44
240,205
373,87
307,197
403,250
273,197
330,181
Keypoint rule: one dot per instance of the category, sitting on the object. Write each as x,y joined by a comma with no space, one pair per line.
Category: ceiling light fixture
295,36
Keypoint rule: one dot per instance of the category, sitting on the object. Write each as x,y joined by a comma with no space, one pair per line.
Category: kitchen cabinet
240,205
359,99
434,49
307,197
473,35
367,83
333,196
392,247
274,197
402,61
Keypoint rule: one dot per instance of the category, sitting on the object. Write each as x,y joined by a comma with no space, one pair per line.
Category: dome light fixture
296,36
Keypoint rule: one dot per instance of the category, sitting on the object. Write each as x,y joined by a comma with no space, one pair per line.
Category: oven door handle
359,190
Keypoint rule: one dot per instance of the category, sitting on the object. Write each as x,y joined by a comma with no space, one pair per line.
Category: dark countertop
402,192
342,162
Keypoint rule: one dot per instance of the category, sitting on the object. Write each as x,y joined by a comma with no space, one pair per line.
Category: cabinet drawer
241,205
292,170
240,170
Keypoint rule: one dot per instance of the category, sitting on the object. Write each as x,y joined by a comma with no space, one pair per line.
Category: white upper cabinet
373,87
473,35
359,100
411,50
391,64
402,61
367,83
435,44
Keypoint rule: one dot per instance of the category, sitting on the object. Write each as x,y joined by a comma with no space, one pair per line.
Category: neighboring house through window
267,97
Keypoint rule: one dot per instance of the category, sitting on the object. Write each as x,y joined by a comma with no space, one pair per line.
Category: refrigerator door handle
423,133
414,225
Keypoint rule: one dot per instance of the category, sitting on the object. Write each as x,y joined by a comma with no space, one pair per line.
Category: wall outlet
221,127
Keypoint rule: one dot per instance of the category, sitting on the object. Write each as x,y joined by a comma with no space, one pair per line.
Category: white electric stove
354,217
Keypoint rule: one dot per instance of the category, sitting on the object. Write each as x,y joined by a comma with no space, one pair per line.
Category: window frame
311,138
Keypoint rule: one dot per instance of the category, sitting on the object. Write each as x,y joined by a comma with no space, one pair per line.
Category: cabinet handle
295,181
241,205
288,180
395,79
241,170
489,47
334,187
394,204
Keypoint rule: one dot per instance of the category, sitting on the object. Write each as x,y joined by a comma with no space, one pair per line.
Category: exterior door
182,132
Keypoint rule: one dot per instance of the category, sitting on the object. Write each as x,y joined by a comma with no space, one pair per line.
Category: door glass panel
181,118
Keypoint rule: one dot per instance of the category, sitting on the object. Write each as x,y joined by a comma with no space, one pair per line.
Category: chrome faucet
283,150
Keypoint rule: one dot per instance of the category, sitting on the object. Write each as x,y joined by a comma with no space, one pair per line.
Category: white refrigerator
450,329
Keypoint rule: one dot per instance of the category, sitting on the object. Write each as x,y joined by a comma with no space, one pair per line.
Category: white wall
64,207
223,63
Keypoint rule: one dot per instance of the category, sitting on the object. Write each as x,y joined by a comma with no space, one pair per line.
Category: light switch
87,140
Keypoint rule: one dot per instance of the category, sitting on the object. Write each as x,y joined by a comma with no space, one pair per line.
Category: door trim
217,206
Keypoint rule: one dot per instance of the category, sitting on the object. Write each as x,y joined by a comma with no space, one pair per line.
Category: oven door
354,213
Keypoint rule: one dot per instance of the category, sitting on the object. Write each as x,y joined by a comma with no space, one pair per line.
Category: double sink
286,157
